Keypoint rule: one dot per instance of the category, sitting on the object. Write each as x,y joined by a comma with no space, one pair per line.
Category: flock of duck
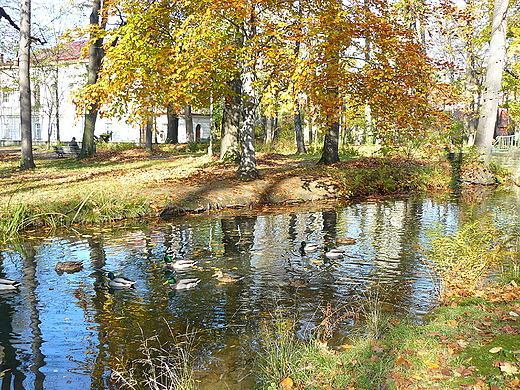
173,265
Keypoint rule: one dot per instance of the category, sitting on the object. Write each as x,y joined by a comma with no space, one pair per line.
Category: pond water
61,331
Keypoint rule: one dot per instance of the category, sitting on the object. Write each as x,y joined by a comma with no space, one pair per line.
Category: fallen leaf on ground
286,384
508,369
431,364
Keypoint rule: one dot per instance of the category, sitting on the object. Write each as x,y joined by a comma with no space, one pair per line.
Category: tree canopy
327,54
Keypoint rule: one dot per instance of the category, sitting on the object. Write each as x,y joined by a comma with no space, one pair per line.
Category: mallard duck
119,281
68,266
179,264
309,247
8,284
226,277
334,253
345,241
182,284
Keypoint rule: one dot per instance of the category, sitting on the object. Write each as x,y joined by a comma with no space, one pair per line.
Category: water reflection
68,330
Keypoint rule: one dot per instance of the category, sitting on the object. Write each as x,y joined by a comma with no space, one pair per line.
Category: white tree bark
247,166
493,83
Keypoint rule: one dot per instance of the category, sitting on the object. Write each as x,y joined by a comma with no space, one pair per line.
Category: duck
179,264
182,284
68,266
346,241
334,253
226,277
8,284
119,281
309,247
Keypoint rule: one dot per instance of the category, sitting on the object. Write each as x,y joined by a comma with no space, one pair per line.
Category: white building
52,84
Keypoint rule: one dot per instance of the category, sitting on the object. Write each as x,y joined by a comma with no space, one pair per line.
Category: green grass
454,349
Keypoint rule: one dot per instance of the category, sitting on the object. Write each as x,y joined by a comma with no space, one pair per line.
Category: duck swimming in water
8,284
309,247
68,266
334,253
179,264
227,278
182,284
119,281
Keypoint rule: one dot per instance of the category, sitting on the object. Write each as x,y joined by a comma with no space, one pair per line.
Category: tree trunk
329,154
229,150
94,63
493,83
300,143
247,165
172,134
272,125
27,161
471,84
148,135
57,101
188,119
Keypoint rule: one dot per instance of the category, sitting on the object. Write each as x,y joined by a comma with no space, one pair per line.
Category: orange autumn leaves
325,54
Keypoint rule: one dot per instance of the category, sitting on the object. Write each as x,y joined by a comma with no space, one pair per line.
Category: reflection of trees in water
31,284
238,234
330,220
264,249
12,377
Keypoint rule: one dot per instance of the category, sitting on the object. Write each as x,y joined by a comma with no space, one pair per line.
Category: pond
66,331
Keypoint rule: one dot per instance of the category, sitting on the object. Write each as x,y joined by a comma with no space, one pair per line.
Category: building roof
65,52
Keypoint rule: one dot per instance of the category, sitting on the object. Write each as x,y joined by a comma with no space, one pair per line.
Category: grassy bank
472,343
129,183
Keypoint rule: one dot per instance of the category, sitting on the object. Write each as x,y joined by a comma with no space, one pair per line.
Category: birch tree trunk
246,134
94,63
493,83
27,161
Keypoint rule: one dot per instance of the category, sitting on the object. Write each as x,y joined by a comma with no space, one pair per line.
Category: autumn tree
493,83
185,53
94,63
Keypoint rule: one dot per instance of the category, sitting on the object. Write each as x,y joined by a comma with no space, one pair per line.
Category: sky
50,18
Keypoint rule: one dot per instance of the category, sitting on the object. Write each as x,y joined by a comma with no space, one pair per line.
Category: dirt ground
197,185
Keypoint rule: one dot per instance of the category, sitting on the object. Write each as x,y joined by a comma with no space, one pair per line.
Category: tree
493,83
229,150
188,120
148,130
298,131
183,52
27,161
172,135
94,64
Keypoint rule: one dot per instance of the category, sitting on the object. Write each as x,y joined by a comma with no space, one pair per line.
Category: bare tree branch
4,15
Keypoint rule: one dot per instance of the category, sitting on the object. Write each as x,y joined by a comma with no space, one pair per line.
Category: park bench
61,151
